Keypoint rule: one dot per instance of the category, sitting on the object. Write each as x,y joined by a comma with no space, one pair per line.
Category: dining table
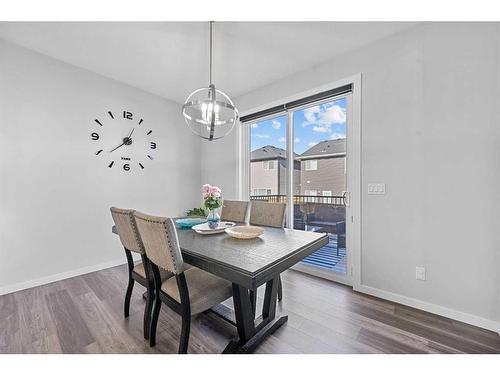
249,264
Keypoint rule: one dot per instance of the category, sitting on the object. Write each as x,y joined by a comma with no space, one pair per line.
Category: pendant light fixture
209,112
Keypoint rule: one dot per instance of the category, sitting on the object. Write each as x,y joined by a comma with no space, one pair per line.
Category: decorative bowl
190,222
247,232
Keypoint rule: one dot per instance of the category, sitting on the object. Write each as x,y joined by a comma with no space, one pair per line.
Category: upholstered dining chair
235,211
191,291
268,214
141,272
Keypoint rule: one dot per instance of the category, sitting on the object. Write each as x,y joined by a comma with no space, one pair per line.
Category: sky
311,125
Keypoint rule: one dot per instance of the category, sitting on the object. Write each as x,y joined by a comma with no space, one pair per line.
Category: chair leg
154,320
148,311
128,294
186,327
280,289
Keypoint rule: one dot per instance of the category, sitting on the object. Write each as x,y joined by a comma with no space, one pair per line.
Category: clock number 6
126,167
95,136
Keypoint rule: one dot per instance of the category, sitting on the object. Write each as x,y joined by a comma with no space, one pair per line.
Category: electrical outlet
376,189
420,273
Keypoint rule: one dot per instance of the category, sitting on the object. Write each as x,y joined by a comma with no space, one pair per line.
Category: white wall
54,193
431,132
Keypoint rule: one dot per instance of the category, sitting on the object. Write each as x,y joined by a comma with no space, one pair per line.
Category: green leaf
196,212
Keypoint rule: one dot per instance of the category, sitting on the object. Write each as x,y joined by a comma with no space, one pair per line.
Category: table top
249,263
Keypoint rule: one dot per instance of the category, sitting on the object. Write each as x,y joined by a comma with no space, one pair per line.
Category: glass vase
213,219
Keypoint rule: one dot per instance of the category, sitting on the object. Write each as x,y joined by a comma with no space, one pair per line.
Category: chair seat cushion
139,269
205,290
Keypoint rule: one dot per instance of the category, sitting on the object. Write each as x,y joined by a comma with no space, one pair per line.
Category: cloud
311,112
276,124
338,136
312,144
283,140
324,116
255,126
334,115
260,135
321,129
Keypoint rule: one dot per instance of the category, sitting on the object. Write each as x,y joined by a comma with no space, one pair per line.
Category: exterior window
311,165
311,192
268,164
262,192
327,193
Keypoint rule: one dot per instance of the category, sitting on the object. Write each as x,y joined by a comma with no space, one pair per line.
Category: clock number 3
127,115
153,146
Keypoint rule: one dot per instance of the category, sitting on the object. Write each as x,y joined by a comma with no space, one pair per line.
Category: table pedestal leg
253,331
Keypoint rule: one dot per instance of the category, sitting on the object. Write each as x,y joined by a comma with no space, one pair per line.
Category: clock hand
126,141
117,147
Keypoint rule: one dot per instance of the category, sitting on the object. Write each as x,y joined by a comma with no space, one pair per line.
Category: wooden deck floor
85,315
328,257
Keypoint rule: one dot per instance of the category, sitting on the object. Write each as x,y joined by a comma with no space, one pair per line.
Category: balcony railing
319,214
334,200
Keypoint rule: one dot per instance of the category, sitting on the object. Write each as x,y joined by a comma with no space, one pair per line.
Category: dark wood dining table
249,264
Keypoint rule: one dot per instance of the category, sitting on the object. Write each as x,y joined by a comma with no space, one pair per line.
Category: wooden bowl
246,232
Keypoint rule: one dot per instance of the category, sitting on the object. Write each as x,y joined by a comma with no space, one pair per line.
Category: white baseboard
432,308
61,276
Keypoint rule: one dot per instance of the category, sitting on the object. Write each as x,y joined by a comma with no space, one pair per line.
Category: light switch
420,273
376,189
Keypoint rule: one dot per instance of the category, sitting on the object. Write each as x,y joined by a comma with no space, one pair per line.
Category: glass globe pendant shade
209,113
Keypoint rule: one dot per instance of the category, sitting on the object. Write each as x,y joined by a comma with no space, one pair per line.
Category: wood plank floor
85,315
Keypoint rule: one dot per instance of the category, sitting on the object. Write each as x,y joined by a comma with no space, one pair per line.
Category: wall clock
123,140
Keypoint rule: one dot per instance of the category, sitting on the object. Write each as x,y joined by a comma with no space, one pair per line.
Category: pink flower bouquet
212,200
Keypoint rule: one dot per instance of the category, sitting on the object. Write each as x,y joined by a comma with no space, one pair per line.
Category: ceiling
170,59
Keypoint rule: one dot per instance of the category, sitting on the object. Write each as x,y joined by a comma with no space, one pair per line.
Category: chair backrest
126,229
235,211
159,237
267,214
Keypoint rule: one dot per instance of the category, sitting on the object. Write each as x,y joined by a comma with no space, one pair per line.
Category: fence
302,199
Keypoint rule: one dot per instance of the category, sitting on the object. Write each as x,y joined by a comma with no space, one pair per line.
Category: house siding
261,178
296,177
330,175
274,179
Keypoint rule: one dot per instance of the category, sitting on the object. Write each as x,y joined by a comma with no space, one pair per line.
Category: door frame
353,222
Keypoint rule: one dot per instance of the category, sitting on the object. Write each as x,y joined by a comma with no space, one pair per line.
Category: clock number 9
94,136
126,167
153,146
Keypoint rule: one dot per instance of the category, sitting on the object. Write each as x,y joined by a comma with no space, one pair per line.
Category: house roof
322,149
325,148
267,153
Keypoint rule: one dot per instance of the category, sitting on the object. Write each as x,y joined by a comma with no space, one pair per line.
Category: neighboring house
323,169
268,172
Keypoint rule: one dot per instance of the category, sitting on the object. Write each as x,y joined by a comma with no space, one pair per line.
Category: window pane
268,159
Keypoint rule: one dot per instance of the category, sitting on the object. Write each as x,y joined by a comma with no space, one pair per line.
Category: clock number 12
127,115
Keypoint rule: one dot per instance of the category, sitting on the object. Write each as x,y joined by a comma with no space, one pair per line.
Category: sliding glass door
300,156
320,149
